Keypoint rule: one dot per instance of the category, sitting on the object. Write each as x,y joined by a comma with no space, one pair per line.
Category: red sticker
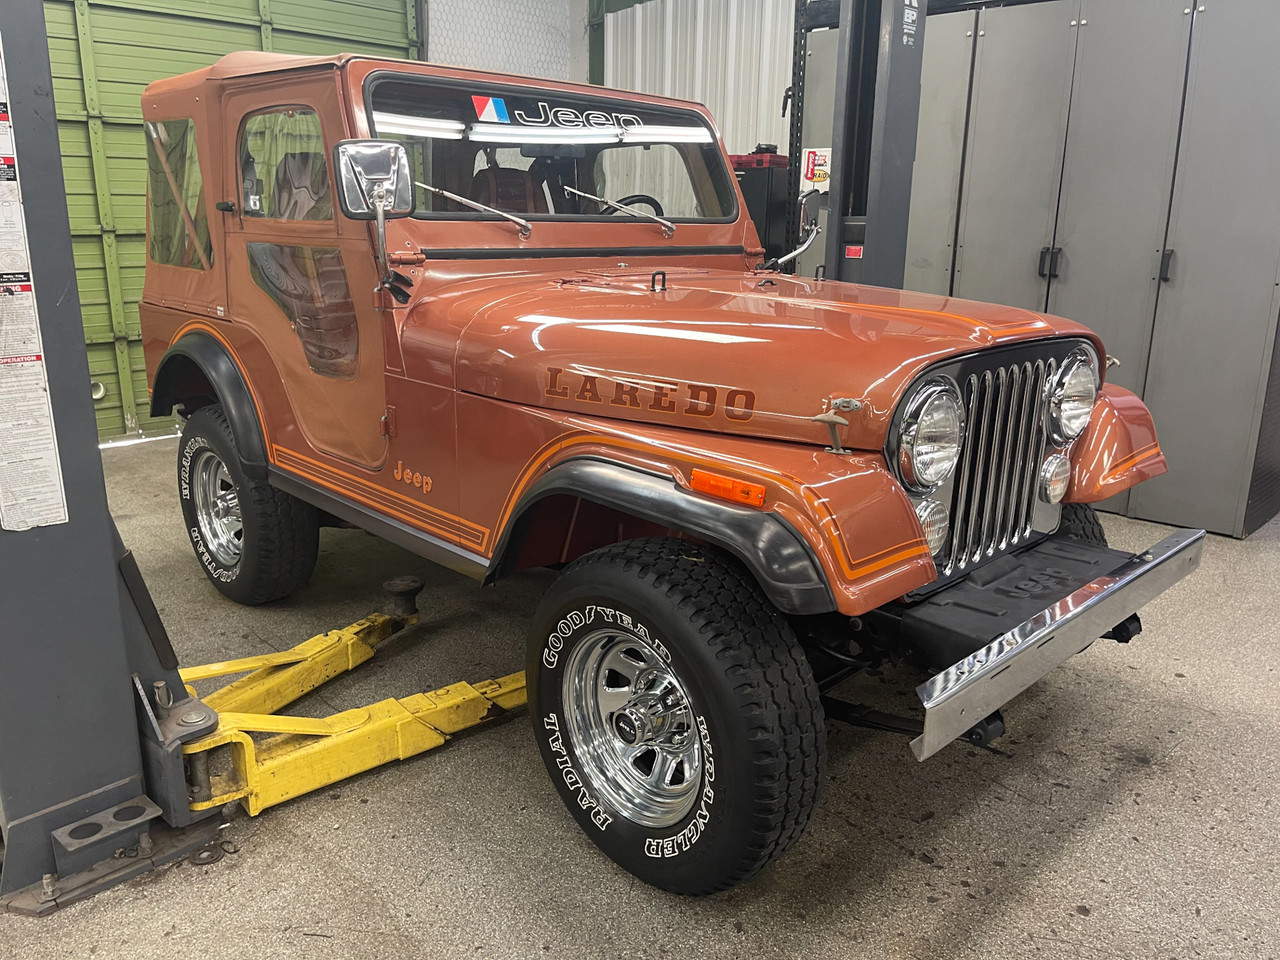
853,253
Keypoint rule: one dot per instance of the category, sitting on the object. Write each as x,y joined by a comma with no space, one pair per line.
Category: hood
749,354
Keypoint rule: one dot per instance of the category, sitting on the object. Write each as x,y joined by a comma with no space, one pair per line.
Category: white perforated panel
539,38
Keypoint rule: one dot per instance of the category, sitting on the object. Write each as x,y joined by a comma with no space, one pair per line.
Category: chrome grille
995,488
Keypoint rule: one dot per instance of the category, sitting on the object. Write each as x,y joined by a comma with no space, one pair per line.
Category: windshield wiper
526,228
668,228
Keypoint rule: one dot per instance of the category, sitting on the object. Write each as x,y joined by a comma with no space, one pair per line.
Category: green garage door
104,53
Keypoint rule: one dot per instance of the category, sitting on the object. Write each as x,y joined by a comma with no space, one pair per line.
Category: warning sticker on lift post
31,490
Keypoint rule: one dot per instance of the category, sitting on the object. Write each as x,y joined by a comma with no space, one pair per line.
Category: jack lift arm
307,754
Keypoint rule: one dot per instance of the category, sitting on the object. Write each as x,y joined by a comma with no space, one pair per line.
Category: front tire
1080,522
255,543
676,713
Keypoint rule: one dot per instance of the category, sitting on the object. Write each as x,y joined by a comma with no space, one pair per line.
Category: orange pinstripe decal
388,501
449,525
1132,460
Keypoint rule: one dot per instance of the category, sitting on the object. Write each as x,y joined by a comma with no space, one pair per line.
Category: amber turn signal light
727,488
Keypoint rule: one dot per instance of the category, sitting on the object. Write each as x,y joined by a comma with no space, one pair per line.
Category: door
301,276
1216,316
935,178
1017,128
1121,143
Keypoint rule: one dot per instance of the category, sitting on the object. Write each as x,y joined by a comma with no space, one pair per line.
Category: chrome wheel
217,508
632,725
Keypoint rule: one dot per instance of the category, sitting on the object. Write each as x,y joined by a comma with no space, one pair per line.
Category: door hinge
388,427
401,258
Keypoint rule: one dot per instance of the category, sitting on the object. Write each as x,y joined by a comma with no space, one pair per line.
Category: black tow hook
1125,630
984,731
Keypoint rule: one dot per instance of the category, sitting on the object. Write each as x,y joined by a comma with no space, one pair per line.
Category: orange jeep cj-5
510,323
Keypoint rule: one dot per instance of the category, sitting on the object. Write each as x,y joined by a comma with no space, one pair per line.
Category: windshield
517,151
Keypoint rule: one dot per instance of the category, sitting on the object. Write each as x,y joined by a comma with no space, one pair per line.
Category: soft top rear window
526,152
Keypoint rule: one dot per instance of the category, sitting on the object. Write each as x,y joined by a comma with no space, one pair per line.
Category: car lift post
88,763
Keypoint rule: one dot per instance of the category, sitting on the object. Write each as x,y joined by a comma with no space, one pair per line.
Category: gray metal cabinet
1160,159
935,181
1215,322
1118,173
1013,166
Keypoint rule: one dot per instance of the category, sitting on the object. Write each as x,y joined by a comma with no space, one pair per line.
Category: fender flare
783,564
229,386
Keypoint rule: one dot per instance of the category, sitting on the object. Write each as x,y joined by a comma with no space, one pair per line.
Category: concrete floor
1136,814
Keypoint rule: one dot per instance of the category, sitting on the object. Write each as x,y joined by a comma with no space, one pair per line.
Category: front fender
781,561
1117,450
857,527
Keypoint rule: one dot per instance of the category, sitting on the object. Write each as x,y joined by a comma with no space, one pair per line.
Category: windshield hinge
403,258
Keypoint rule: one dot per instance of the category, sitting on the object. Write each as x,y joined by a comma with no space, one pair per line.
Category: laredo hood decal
729,352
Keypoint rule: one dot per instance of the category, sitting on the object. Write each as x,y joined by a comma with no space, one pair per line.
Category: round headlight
1074,391
930,435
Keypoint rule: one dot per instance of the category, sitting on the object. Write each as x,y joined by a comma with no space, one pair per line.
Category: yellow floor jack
302,754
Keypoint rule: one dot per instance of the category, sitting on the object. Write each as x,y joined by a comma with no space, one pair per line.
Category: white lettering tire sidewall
190,446
700,835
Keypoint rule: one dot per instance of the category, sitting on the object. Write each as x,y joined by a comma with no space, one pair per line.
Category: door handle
1166,265
1044,257
1054,257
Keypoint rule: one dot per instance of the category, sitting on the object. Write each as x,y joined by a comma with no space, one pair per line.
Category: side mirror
373,177
809,203
374,183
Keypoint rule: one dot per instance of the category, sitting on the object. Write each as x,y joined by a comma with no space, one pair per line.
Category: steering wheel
637,198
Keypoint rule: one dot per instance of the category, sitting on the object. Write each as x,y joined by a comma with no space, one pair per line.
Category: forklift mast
857,62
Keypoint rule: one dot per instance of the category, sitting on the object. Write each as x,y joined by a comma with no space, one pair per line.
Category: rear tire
676,713
1080,522
254,542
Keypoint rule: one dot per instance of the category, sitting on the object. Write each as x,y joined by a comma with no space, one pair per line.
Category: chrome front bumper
966,692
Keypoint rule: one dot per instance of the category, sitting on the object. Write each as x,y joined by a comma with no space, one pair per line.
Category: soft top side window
178,221
283,172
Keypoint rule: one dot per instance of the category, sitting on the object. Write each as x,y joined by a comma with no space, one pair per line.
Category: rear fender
197,370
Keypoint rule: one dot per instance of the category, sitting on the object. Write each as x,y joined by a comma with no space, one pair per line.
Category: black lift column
80,775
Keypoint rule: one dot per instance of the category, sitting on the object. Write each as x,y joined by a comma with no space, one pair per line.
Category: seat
508,189
302,188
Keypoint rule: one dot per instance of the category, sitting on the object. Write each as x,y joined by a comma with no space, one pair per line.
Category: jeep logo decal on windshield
494,110
491,109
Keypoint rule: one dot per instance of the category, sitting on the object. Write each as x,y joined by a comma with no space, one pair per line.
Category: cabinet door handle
1054,257
1044,257
1166,265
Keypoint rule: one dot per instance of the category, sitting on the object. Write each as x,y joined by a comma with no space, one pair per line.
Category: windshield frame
499,88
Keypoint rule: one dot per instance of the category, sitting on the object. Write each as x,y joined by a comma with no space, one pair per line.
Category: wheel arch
198,370
781,562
